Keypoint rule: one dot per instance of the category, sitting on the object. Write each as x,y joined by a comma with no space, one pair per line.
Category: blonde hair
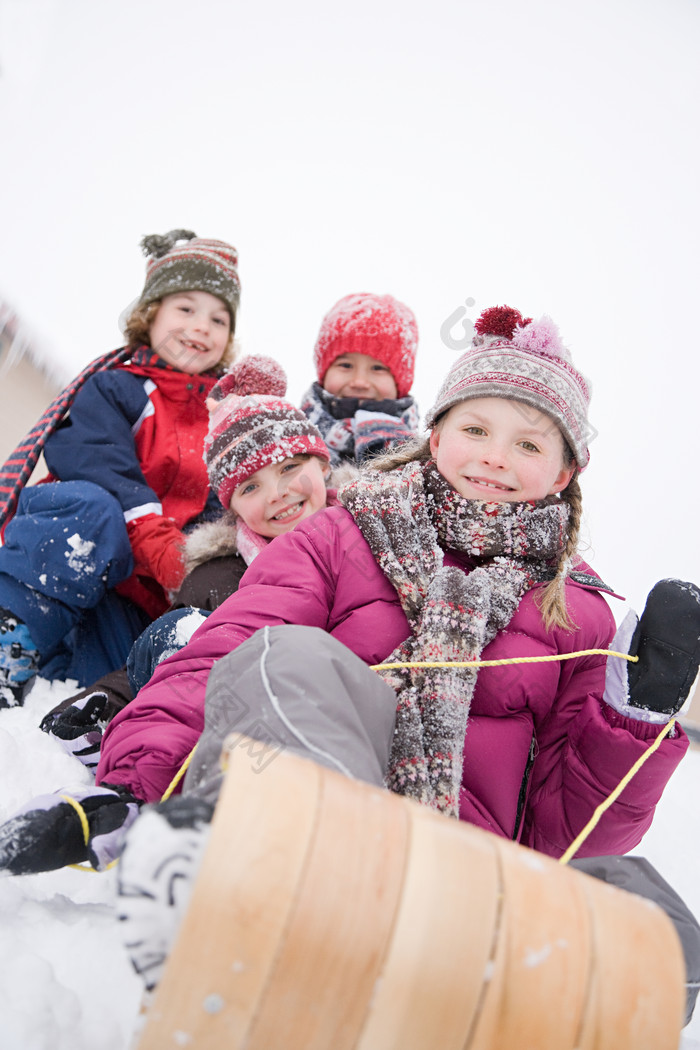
551,600
138,331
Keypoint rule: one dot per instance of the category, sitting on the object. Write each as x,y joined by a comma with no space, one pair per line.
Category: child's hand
667,642
77,727
157,545
47,833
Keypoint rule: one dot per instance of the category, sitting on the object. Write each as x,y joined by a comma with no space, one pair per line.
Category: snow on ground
65,981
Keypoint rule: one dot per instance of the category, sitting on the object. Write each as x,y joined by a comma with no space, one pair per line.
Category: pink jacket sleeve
143,748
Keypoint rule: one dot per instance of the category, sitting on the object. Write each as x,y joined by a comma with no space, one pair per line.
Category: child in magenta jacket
460,548
93,554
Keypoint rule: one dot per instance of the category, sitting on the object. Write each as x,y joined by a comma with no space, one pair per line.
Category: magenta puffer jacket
542,750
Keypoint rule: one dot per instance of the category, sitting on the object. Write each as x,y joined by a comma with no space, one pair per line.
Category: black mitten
78,728
667,642
48,832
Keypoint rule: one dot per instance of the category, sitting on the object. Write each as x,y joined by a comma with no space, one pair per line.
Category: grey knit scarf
408,517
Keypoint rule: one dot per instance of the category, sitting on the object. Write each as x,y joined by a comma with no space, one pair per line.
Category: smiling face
357,375
497,450
277,497
191,331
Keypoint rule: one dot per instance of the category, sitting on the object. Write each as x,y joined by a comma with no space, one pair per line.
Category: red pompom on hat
500,320
520,359
251,425
378,326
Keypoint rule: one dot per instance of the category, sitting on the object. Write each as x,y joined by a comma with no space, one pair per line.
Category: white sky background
540,154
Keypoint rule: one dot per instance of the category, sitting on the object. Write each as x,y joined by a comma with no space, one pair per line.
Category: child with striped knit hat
93,553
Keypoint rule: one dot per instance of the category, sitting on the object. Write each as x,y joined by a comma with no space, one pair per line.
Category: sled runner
331,915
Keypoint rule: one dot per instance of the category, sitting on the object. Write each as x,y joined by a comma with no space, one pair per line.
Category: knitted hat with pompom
180,261
515,357
251,425
378,326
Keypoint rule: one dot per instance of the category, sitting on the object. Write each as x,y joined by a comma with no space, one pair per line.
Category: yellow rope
81,815
615,794
580,838
178,776
500,663
86,827
606,803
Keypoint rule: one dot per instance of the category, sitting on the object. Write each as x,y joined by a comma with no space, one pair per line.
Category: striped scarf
18,468
408,517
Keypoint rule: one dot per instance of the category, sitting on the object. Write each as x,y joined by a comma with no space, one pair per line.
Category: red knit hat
251,425
378,326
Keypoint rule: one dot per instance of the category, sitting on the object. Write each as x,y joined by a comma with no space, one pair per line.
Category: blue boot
19,659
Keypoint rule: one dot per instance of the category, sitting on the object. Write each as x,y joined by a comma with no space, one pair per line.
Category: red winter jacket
138,432
540,740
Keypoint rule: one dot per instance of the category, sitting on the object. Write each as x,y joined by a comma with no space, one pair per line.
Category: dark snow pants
161,639
63,552
637,875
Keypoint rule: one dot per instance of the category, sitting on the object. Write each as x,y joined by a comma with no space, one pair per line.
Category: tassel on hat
520,359
179,261
251,425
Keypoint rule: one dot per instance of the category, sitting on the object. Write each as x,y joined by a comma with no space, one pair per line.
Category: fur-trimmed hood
212,539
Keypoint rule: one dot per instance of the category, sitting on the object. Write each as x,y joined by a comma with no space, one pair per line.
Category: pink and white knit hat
376,325
251,425
523,360
180,261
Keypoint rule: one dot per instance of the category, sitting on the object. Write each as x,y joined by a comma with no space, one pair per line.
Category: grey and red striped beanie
378,326
523,360
179,261
251,425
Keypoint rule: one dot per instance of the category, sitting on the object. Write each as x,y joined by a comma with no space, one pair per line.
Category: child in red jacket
91,556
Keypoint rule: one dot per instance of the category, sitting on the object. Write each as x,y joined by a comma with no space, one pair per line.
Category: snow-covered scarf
408,516
335,418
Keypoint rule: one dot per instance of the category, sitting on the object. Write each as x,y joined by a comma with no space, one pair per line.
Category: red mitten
157,545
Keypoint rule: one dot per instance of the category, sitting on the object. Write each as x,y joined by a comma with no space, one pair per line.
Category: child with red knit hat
365,359
93,553
269,468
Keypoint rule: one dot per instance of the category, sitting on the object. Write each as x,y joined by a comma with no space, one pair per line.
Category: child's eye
474,429
529,446
379,368
220,320
290,466
247,489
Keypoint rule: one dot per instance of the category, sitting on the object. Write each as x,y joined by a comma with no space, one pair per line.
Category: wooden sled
331,915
